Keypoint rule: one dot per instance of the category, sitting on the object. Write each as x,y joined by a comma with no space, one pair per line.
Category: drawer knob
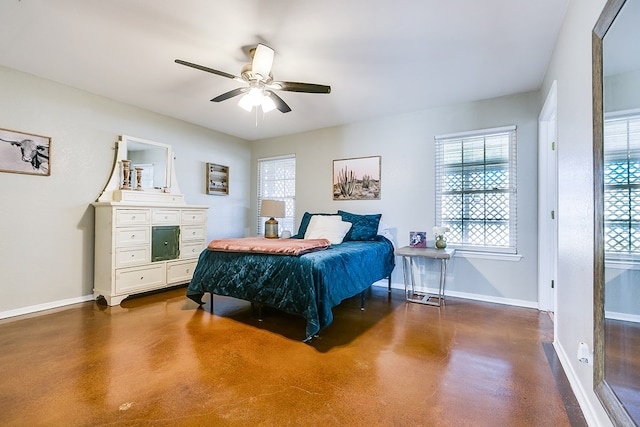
133,256
133,217
166,243
187,270
165,217
133,236
141,277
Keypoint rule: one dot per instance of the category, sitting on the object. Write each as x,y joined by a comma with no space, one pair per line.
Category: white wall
406,144
571,66
621,91
46,223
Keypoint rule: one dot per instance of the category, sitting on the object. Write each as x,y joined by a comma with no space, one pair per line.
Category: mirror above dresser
142,172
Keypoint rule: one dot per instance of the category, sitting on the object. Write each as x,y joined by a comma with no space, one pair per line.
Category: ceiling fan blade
262,60
280,104
230,94
300,87
207,69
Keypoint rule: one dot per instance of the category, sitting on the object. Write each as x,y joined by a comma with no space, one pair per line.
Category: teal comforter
309,285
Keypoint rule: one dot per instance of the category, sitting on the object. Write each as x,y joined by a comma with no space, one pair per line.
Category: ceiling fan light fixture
260,90
256,98
267,104
245,103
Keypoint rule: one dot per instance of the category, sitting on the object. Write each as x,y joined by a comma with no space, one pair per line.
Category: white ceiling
380,57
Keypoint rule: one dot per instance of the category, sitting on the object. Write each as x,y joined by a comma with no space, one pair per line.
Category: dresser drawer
191,249
180,272
166,216
137,279
193,232
132,236
126,257
193,216
128,217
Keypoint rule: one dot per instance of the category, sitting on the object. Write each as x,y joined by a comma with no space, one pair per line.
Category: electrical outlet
584,354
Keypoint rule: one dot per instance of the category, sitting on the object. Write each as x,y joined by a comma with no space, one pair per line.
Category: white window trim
461,253
472,133
485,252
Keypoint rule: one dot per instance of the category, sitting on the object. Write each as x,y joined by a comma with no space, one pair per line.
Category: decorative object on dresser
272,209
146,238
126,174
217,179
357,179
26,153
139,178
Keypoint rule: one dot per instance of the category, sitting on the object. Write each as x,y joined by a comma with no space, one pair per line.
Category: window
622,185
476,189
277,181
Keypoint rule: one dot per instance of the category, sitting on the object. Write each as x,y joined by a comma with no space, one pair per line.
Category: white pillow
330,227
385,231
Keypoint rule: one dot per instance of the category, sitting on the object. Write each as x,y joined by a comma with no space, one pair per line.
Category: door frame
548,201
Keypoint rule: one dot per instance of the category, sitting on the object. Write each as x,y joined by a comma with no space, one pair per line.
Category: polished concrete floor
161,360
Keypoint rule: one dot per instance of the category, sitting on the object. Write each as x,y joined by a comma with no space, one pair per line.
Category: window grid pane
622,185
277,181
476,189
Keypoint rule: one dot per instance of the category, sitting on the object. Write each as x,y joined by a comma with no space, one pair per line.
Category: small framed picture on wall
22,152
217,179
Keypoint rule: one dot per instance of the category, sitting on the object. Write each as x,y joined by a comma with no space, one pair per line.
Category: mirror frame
603,391
131,140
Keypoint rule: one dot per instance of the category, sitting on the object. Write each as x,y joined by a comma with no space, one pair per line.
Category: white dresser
145,239
124,243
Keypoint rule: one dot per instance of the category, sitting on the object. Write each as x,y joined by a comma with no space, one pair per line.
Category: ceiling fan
260,86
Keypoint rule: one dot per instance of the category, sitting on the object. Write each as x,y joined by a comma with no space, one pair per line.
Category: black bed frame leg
362,300
256,306
211,303
389,279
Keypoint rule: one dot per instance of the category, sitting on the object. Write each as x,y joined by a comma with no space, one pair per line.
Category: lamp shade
272,208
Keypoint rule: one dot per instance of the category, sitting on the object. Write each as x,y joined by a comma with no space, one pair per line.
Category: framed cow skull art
22,152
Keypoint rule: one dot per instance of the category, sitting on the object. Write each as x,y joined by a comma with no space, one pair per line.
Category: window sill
622,264
460,253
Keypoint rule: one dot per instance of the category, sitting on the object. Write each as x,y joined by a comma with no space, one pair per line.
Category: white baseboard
622,316
46,306
382,283
578,390
466,295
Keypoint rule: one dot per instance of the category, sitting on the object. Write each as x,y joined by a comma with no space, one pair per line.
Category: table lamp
272,209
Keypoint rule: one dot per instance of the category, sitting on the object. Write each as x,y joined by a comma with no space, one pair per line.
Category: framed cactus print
357,178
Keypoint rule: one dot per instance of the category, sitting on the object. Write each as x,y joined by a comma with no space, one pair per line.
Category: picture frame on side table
217,179
357,178
418,239
22,152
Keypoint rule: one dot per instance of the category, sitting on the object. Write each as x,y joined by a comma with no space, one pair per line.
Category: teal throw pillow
365,227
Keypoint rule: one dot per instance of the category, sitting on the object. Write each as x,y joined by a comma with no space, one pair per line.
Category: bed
309,284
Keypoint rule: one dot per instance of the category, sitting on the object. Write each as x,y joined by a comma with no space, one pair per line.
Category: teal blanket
309,285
